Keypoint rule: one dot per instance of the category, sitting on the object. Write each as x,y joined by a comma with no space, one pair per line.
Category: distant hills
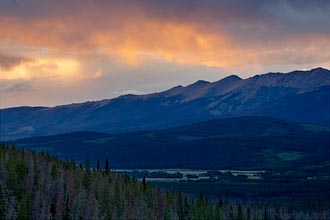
233,143
299,96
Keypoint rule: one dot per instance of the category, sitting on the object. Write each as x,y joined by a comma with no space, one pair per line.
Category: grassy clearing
187,138
98,141
315,128
288,156
149,135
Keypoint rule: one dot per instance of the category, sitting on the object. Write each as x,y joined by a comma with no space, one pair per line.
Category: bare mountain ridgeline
300,96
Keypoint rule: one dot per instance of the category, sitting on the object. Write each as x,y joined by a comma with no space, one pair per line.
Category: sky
69,51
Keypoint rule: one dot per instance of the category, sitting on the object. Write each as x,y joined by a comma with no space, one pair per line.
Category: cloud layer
73,42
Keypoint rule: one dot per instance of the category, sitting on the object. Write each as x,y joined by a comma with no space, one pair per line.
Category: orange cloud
134,42
131,35
54,68
59,47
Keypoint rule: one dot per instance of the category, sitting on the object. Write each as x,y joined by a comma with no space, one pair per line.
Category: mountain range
298,96
254,143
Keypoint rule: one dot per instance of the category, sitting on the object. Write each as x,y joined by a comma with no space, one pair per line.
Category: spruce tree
218,209
186,209
277,214
87,179
180,206
55,171
53,209
248,214
106,166
144,183
239,212
23,209
266,217
220,203
67,210
98,165
3,204
231,213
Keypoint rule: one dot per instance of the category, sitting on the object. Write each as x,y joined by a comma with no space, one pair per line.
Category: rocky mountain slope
301,96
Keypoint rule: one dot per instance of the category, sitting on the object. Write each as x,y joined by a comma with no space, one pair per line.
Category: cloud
212,33
130,91
117,80
77,50
50,67
8,61
18,87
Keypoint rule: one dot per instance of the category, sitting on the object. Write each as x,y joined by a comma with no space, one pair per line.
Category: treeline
39,186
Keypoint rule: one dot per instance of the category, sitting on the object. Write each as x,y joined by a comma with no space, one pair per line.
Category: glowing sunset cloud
64,69
128,43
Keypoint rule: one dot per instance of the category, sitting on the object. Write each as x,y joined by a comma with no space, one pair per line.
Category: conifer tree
220,203
98,165
3,204
106,166
180,206
23,209
87,176
118,201
231,213
256,216
55,171
277,214
218,210
67,210
186,209
266,217
53,209
248,214
239,212
144,183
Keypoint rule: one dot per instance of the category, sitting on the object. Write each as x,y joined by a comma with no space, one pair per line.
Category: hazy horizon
135,92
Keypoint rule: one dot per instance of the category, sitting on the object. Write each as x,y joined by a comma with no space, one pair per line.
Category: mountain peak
173,91
306,80
231,78
200,82
320,68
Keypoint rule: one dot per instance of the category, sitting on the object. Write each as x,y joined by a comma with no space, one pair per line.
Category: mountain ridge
230,96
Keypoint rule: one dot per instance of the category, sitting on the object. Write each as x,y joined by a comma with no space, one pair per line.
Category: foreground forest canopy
39,186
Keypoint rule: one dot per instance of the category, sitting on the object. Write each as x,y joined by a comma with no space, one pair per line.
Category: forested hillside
39,186
233,143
